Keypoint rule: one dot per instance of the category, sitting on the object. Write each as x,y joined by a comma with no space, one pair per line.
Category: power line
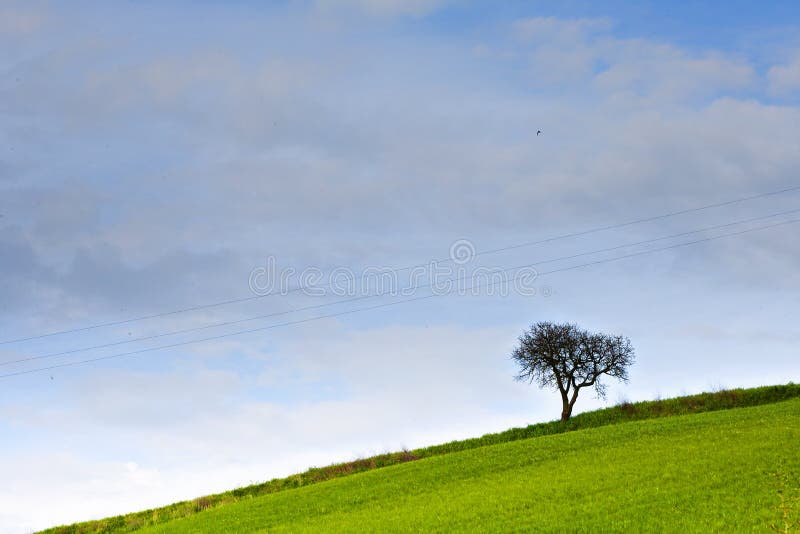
401,269
357,310
416,287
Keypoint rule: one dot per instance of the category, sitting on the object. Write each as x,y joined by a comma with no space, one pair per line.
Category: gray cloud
257,159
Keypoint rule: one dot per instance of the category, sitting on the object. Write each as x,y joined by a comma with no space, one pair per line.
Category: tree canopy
567,358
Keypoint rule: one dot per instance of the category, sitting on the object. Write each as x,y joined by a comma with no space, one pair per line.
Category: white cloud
664,73
15,21
542,30
784,79
570,53
383,8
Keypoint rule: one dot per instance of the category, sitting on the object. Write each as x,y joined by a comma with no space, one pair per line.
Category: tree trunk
566,410
567,404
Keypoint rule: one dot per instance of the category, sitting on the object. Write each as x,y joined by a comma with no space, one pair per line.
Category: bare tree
564,357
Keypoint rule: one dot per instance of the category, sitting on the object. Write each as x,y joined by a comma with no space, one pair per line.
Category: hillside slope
622,413
717,471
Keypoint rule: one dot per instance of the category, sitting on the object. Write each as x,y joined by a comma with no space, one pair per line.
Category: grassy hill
703,468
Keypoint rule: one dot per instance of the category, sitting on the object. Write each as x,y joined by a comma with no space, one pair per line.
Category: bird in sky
538,132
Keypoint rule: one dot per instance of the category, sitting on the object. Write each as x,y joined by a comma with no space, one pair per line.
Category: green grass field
710,472
627,468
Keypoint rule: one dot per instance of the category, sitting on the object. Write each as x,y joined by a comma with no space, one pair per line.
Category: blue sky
152,156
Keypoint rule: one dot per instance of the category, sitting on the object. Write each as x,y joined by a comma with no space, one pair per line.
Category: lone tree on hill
565,357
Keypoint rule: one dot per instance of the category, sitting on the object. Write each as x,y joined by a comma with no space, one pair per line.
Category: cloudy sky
154,157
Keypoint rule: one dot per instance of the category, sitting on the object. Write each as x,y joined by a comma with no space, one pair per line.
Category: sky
156,157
